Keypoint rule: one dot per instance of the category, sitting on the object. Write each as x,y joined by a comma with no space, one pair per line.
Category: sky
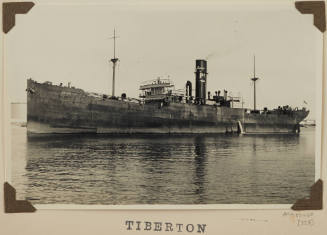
71,43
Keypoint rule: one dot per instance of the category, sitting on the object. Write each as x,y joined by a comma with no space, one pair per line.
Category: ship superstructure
160,90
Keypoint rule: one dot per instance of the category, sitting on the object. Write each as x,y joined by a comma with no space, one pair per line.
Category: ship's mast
114,62
254,79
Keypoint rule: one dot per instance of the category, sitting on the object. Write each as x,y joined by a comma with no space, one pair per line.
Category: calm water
163,170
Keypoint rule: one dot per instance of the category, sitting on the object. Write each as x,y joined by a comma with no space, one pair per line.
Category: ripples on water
108,170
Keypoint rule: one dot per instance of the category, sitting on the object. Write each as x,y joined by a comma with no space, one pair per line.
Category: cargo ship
160,109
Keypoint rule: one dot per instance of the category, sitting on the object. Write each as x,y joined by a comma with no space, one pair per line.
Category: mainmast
254,79
114,62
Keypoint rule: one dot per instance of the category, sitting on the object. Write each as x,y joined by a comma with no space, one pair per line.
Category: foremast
114,62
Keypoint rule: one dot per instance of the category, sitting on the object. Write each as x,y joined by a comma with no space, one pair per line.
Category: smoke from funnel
224,52
212,54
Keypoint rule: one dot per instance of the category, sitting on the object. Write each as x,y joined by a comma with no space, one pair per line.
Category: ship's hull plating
56,109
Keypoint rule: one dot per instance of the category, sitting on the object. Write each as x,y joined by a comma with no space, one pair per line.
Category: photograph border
12,205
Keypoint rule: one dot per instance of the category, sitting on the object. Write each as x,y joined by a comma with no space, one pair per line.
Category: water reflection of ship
200,163
191,170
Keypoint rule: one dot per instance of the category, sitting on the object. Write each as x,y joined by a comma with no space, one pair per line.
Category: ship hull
57,109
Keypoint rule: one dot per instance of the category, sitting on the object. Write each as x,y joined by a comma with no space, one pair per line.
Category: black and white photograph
164,103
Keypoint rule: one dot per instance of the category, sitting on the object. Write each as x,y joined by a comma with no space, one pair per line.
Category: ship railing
129,99
286,110
156,81
150,86
179,92
96,95
109,97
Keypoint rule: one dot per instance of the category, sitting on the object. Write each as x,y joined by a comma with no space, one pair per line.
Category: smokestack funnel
200,81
